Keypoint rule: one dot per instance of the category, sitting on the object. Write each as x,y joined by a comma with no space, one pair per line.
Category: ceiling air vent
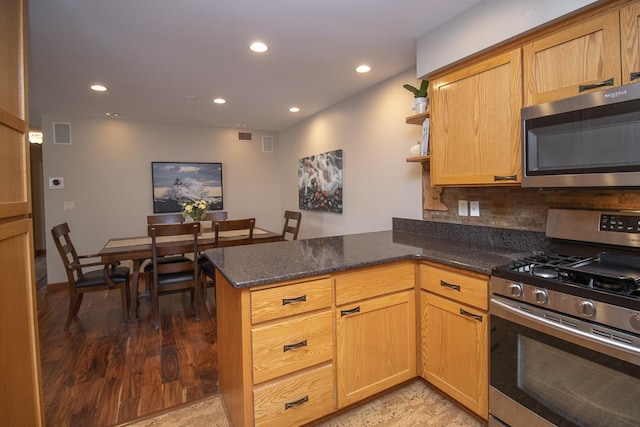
245,136
61,133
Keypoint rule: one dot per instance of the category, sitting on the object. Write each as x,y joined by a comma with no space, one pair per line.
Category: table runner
206,235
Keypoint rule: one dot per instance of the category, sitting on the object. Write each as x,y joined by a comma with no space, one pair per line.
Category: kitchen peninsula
309,327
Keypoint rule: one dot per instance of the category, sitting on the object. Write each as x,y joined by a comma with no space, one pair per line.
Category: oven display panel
620,223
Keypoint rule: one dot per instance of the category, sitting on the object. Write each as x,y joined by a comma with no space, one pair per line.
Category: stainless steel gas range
565,326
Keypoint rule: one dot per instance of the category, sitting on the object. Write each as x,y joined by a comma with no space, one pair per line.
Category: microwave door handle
609,82
634,75
505,177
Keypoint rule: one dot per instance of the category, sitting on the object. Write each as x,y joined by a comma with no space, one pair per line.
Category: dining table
138,249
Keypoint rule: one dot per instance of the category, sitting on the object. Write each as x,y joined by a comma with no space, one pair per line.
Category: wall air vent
267,144
61,133
245,136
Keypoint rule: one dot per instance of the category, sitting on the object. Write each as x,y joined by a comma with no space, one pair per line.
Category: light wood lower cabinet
376,346
455,351
275,351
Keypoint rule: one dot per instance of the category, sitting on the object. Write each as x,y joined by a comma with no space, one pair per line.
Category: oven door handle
521,314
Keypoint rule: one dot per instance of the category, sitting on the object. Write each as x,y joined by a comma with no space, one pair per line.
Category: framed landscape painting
176,182
320,182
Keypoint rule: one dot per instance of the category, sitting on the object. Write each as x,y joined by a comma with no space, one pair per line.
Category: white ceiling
165,60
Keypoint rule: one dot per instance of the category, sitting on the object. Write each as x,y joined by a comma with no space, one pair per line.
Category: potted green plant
420,96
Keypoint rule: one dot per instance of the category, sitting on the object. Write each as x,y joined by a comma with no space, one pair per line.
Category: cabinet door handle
296,403
505,177
288,347
634,75
473,316
286,301
450,285
346,312
582,88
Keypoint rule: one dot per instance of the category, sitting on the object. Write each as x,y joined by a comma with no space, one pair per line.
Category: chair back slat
291,224
247,224
165,219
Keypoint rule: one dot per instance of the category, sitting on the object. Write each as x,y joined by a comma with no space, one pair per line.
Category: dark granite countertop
251,265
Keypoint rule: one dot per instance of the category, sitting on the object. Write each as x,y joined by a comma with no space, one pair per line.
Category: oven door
542,373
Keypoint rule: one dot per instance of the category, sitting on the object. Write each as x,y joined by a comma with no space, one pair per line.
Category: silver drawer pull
450,285
473,316
347,312
286,301
634,75
288,347
296,403
582,88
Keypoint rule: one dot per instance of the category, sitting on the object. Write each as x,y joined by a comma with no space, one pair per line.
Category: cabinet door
475,122
582,58
376,345
455,350
630,34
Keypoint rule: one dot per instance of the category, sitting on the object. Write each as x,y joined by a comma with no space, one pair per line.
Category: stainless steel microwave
589,140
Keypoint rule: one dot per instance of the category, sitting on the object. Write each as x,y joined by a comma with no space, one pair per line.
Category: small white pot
420,105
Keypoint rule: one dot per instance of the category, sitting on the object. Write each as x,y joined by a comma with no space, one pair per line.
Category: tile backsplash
526,208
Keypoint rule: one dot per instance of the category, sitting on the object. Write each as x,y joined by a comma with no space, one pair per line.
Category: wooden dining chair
291,224
81,281
240,232
174,276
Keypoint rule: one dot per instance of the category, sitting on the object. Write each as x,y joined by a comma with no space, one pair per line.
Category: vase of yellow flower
195,209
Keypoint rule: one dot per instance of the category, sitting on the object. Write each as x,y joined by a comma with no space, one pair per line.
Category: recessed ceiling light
98,87
219,101
294,109
363,68
259,47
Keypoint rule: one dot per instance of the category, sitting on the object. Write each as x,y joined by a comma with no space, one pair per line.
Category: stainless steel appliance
565,326
590,140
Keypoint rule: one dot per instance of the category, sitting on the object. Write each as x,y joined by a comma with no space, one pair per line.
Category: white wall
107,170
487,24
107,173
378,183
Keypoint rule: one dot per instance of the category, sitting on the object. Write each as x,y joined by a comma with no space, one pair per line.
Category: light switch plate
474,208
463,208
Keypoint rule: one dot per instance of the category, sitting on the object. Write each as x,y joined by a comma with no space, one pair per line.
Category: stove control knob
541,296
635,321
515,289
586,308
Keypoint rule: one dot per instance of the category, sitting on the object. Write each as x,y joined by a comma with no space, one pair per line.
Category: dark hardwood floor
104,372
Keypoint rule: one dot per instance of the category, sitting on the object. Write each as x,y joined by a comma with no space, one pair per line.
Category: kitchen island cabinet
375,330
300,336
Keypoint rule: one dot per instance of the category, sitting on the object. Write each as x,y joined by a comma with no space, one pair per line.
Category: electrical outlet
69,206
463,208
474,208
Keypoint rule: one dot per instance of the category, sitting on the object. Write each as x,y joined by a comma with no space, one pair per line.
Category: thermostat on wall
56,183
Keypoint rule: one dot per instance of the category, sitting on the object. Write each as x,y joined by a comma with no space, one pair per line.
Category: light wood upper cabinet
630,42
582,58
475,119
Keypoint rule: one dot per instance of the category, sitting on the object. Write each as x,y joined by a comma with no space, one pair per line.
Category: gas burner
546,271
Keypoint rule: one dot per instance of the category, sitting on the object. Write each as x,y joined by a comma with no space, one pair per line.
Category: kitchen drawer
296,400
291,344
370,282
282,301
468,288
